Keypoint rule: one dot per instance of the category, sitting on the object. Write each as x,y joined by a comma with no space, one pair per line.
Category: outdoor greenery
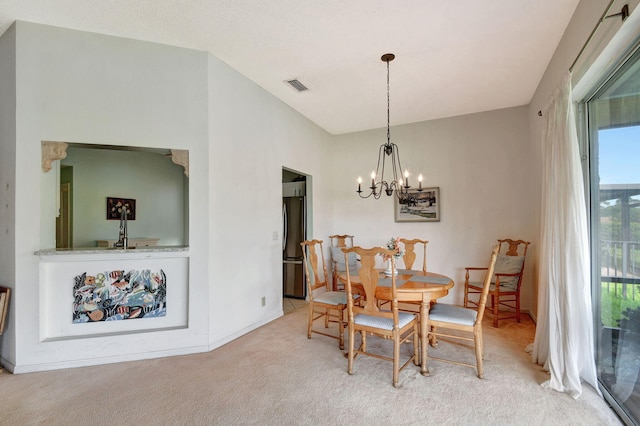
611,221
614,307
630,319
617,306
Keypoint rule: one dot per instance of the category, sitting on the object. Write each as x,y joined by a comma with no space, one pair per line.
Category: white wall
8,183
88,88
81,87
254,136
480,163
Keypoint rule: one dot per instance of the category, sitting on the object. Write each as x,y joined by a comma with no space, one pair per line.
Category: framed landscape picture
418,206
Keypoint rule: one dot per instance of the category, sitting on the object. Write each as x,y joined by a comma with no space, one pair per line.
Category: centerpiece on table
393,245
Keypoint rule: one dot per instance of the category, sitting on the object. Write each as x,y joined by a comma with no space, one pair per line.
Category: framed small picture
115,206
418,206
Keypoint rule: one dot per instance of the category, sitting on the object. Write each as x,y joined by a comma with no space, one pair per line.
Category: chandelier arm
397,155
380,157
401,190
405,180
397,169
376,194
395,161
364,196
379,171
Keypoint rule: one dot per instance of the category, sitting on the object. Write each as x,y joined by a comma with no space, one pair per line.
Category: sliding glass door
613,116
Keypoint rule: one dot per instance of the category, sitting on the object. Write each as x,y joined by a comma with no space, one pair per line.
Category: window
613,116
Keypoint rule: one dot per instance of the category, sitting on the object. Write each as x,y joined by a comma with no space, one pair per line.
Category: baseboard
239,333
533,316
100,361
11,368
6,365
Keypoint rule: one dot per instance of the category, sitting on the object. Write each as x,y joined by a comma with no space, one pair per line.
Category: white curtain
564,333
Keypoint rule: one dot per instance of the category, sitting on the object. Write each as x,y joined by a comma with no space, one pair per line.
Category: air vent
295,83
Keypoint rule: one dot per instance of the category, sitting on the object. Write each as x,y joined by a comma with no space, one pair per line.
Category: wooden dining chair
323,302
400,327
338,265
465,323
5,293
409,255
505,284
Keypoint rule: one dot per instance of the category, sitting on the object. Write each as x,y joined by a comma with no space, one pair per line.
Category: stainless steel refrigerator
294,232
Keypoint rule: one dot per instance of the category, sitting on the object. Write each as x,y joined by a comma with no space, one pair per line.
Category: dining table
416,287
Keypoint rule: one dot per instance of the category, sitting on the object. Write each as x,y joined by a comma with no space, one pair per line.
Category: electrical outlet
264,300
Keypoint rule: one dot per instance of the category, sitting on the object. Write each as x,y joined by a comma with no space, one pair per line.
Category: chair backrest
341,240
513,247
368,277
313,261
487,283
510,260
338,242
410,254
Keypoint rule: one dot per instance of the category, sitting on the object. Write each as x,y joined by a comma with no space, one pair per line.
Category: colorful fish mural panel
116,295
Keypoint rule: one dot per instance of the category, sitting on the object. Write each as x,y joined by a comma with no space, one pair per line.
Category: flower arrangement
393,244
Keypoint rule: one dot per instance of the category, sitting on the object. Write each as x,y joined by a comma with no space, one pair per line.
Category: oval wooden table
413,287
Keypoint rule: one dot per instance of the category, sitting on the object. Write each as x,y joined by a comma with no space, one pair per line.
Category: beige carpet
275,375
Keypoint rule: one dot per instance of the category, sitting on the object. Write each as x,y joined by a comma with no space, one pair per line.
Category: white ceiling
452,57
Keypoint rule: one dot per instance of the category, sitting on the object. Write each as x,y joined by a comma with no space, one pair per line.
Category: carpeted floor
275,375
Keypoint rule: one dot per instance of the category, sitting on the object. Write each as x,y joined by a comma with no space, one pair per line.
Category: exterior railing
620,267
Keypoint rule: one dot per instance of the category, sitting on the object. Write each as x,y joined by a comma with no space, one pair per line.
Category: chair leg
477,337
518,307
396,357
496,309
341,326
351,354
310,322
432,338
416,345
466,296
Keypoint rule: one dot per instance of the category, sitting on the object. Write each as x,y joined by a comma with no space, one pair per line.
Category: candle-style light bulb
359,182
420,182
406,178
373,179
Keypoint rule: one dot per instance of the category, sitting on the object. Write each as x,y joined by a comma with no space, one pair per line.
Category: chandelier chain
388,109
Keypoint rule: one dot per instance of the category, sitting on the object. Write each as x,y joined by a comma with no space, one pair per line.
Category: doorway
64,221
295,208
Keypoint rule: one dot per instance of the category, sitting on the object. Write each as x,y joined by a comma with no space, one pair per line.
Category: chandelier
398,185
